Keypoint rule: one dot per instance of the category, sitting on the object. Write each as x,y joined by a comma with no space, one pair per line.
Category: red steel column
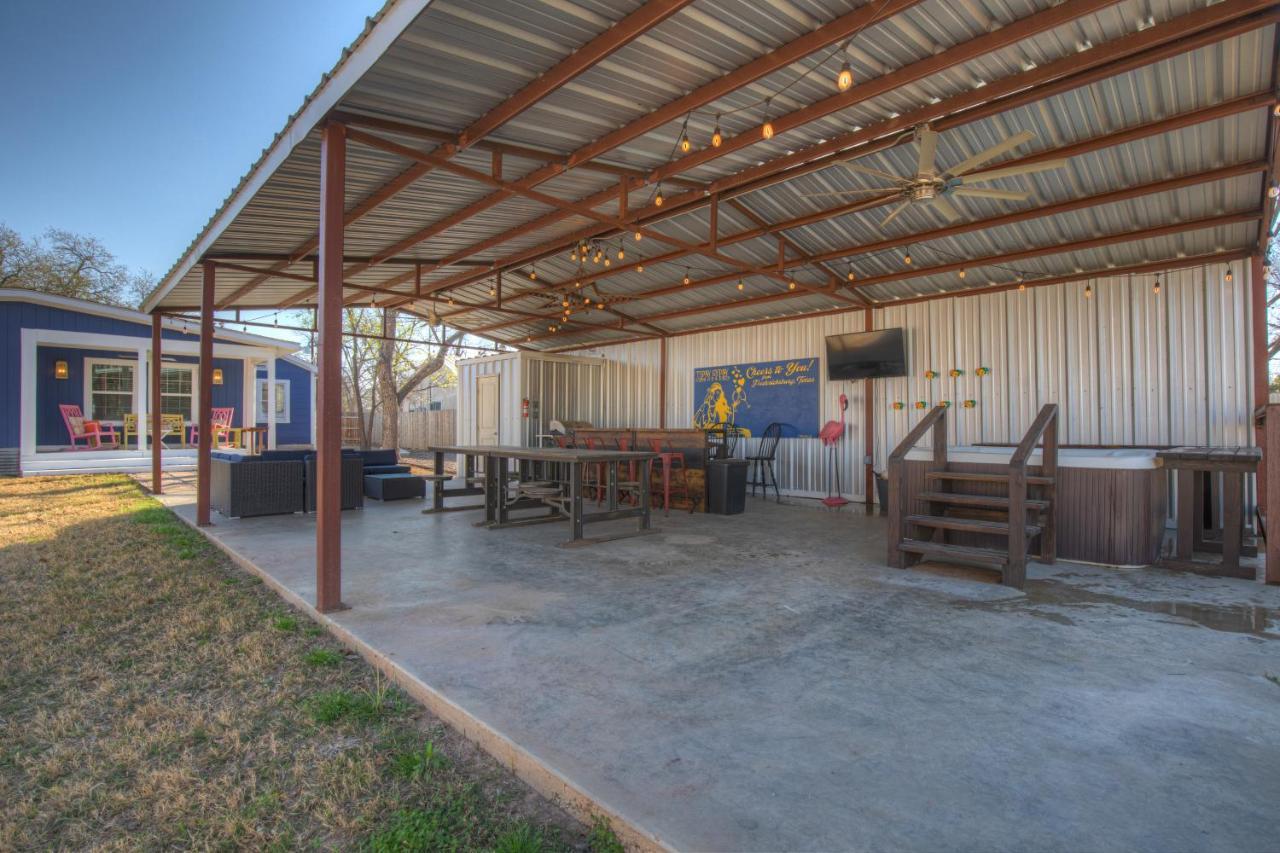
1261,384
333,163
155,404
206,398
869,431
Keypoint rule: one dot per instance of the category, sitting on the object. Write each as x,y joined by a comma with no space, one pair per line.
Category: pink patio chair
92,433
222,418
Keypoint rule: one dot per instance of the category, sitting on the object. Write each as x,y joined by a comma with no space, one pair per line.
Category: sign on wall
752,396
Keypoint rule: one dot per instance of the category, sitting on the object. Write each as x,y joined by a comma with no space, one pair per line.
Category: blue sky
131,121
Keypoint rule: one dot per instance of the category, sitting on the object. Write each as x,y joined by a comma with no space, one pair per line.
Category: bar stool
601,482
671,461
631,485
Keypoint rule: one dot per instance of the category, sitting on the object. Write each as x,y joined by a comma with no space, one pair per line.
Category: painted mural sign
752,396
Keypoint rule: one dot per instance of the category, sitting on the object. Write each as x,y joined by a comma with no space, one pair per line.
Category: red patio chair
93,433
222,418
671,461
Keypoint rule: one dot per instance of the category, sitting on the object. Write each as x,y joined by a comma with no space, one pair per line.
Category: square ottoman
394,487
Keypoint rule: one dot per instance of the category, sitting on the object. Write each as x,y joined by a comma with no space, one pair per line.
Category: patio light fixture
60,370
217,376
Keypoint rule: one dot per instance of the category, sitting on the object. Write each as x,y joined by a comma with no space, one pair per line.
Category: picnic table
1193,465
546,477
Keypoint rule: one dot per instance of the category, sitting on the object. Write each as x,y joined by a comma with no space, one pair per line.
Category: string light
1229,276
906,259
767,129
533,273
1155,288
657,198
1021,287
685,280
791,285
1088,291
600,305
740,284
961,274
577,284
493,290
685,144
639,267
622,253
607,262
717,138
849,275
638,236
844,79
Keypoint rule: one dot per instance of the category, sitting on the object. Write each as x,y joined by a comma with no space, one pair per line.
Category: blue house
58,352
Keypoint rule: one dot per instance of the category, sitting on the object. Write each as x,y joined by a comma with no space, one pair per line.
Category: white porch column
249,396
140,402
271,401
27,394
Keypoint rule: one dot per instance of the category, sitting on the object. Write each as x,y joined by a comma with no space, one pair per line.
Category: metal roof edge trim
129,315
350,68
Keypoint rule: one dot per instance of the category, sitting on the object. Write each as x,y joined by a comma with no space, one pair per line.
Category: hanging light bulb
1229,275
573,256
1155,288
657,198
639,267
622,253
1088,291
493,291
600,305
740,284
639,236
906,259
717,138
767,129
1273,191
577,284
564,303
607,262
685,280
844,80
962,273
450,300
533,273
685,144
849,275
1021,287
791,285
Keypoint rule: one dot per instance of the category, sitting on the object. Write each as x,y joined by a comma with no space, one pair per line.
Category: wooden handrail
1048,415
917,432
1046,425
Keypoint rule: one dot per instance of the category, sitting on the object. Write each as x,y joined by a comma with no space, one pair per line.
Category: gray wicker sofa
242,486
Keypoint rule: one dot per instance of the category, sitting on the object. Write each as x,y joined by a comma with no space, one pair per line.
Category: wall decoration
970,404
982,371
931,374
752,396
921,404
899,406
956,373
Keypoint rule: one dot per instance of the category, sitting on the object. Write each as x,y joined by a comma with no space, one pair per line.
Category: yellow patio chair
170,424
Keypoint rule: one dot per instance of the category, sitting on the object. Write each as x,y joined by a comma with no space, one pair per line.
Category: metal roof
436,66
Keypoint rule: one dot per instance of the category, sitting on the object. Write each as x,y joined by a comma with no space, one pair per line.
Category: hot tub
1111,503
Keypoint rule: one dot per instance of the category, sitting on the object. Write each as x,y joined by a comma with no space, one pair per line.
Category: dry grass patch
152,695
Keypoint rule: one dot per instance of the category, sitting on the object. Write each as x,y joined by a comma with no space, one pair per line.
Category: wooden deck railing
936,421
1046,425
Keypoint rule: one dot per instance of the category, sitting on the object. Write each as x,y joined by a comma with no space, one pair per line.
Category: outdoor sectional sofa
241,486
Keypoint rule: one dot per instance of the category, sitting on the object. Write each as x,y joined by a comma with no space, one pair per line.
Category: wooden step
968,525
964,477
967,553
992,501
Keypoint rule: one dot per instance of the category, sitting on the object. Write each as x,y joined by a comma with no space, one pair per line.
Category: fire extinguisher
524,408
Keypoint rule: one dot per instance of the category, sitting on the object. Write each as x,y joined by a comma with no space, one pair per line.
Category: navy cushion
386,469
379,457
232,457
285,455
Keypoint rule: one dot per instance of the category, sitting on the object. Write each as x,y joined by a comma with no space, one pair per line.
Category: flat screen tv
866,355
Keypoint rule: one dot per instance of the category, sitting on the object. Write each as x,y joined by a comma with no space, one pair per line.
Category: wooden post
1273,495
329,346
869,431
205,445
1261,379
156,473
1049,468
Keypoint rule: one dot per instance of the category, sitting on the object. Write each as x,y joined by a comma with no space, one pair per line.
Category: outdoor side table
1193,466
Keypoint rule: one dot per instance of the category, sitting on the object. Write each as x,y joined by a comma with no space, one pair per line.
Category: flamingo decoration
832,433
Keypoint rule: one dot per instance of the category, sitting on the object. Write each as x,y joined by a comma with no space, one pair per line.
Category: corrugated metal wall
564,387
1127,367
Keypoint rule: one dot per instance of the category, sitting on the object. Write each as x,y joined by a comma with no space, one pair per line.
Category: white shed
512,398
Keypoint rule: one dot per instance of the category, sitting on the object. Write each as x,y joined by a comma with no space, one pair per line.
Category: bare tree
69,264
404,366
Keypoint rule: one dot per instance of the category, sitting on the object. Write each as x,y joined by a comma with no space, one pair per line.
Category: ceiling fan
936,187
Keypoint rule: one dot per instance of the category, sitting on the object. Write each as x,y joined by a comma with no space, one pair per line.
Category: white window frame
283,400
132,364
88,366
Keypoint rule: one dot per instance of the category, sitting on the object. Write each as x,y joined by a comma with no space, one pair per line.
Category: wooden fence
420,430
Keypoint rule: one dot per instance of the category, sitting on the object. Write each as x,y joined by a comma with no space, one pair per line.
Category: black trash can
882,492
726,486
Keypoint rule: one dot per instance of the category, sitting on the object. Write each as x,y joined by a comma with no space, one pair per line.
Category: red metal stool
631,485
601,484
671,461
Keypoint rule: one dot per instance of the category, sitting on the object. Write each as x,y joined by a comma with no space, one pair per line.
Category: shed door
487,409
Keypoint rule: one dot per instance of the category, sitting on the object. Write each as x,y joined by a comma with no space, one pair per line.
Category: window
109,391
282,401
177,395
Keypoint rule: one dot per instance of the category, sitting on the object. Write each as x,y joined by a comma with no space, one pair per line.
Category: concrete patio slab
764,682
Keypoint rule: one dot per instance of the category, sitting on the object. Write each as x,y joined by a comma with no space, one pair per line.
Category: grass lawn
153,695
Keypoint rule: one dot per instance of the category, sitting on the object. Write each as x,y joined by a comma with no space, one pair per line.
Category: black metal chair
762,461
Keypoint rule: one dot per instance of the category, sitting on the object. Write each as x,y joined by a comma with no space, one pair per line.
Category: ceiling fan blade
1010,171
851,192
894,213
928,149
867,170
991,153
943,205
980,192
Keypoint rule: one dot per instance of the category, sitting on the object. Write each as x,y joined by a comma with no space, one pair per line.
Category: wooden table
567,505
1192,466
251,438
